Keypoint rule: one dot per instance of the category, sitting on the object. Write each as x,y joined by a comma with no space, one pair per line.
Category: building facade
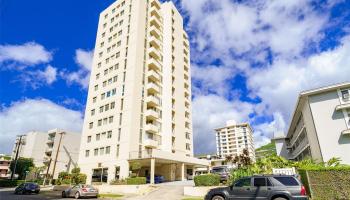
42,147
4,166
320,127
233,138
139,100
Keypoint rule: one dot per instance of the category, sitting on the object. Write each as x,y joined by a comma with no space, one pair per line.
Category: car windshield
216,170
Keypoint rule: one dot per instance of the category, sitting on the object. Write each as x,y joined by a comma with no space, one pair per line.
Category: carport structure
173,166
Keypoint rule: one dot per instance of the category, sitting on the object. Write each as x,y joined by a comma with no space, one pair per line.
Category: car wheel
64,195
280,198
217,197
77,195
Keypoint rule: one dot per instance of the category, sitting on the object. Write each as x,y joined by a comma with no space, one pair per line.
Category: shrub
136,181
207,180
327,183
117,182
10,183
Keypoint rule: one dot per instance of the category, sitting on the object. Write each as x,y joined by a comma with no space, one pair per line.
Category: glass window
109,134
345,94
108,150
87,152
102,150
288,181
243,182
95,152
89,139
259,182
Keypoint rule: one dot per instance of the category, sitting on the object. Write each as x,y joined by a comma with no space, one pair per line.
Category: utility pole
47,172
58,149
16,157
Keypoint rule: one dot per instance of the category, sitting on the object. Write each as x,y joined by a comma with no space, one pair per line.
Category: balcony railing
154,53
152,114
152,128
153,88
153,64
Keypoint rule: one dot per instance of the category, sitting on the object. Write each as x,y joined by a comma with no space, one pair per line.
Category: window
104,121
87,152
188,147
112,105
96,87
99,123
104,83
103,95
101,109
243,182
119,133
97,76
109,134
95,152
287,181
119,43
91,125
120,33
108,150
98,136
115,79
121,104
102,150
345,95
259,182
117,151
106,107
117,55
111,119
99,65
89,139
120,118
92,112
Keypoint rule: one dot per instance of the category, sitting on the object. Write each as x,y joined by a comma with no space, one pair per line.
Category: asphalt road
7,194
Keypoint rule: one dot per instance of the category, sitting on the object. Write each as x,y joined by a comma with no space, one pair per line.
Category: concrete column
153,163
183,171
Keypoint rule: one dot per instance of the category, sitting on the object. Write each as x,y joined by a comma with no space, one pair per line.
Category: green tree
136,166
23,165
243,159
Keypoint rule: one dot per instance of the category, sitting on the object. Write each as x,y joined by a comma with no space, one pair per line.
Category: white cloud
49,75
279,84
38,78
212,111
84,59
29,53
35,114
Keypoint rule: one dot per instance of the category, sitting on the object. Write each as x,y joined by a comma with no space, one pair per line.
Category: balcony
153,88
152,100
155,42
153,75
155,32
152,114
150,143
50,140
152,128
343,106
153,64
155,53
155,3
346,132
154,21
154,12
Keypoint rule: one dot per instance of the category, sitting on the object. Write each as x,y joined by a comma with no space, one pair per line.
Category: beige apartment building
320,126
42,147
5,162
139,99
233,138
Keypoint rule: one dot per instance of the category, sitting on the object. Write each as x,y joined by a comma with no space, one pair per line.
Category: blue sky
250,59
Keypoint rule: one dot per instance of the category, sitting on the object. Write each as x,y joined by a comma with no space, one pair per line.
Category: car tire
217,197
77,195
280,198
64,195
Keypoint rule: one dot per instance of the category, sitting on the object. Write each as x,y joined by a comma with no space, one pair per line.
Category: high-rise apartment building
233,138
43,147
139,100
320,126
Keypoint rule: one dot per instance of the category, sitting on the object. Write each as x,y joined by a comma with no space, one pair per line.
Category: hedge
325,184
207,180
9,183
136,181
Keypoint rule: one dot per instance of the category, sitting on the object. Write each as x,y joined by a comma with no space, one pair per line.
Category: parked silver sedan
80,190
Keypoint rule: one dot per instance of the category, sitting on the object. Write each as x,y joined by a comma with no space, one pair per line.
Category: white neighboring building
42,148
320,127
139,99
233,138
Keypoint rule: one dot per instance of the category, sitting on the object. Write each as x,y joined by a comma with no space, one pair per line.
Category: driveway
169,191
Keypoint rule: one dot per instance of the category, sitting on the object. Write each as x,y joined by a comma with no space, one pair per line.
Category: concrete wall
329,124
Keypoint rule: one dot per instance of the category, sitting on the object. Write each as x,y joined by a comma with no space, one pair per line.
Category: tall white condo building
139,101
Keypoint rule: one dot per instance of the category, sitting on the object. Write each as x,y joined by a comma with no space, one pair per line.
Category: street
7,194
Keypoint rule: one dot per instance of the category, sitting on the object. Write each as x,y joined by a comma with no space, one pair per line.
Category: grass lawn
192,198
109,195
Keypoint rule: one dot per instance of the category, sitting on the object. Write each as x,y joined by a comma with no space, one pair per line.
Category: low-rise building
5,162
232,139
42,147
320,126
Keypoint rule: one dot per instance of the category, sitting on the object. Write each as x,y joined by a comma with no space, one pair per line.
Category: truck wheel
217,197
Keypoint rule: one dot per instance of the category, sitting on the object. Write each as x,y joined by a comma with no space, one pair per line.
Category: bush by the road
207,180
9,183
136,181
